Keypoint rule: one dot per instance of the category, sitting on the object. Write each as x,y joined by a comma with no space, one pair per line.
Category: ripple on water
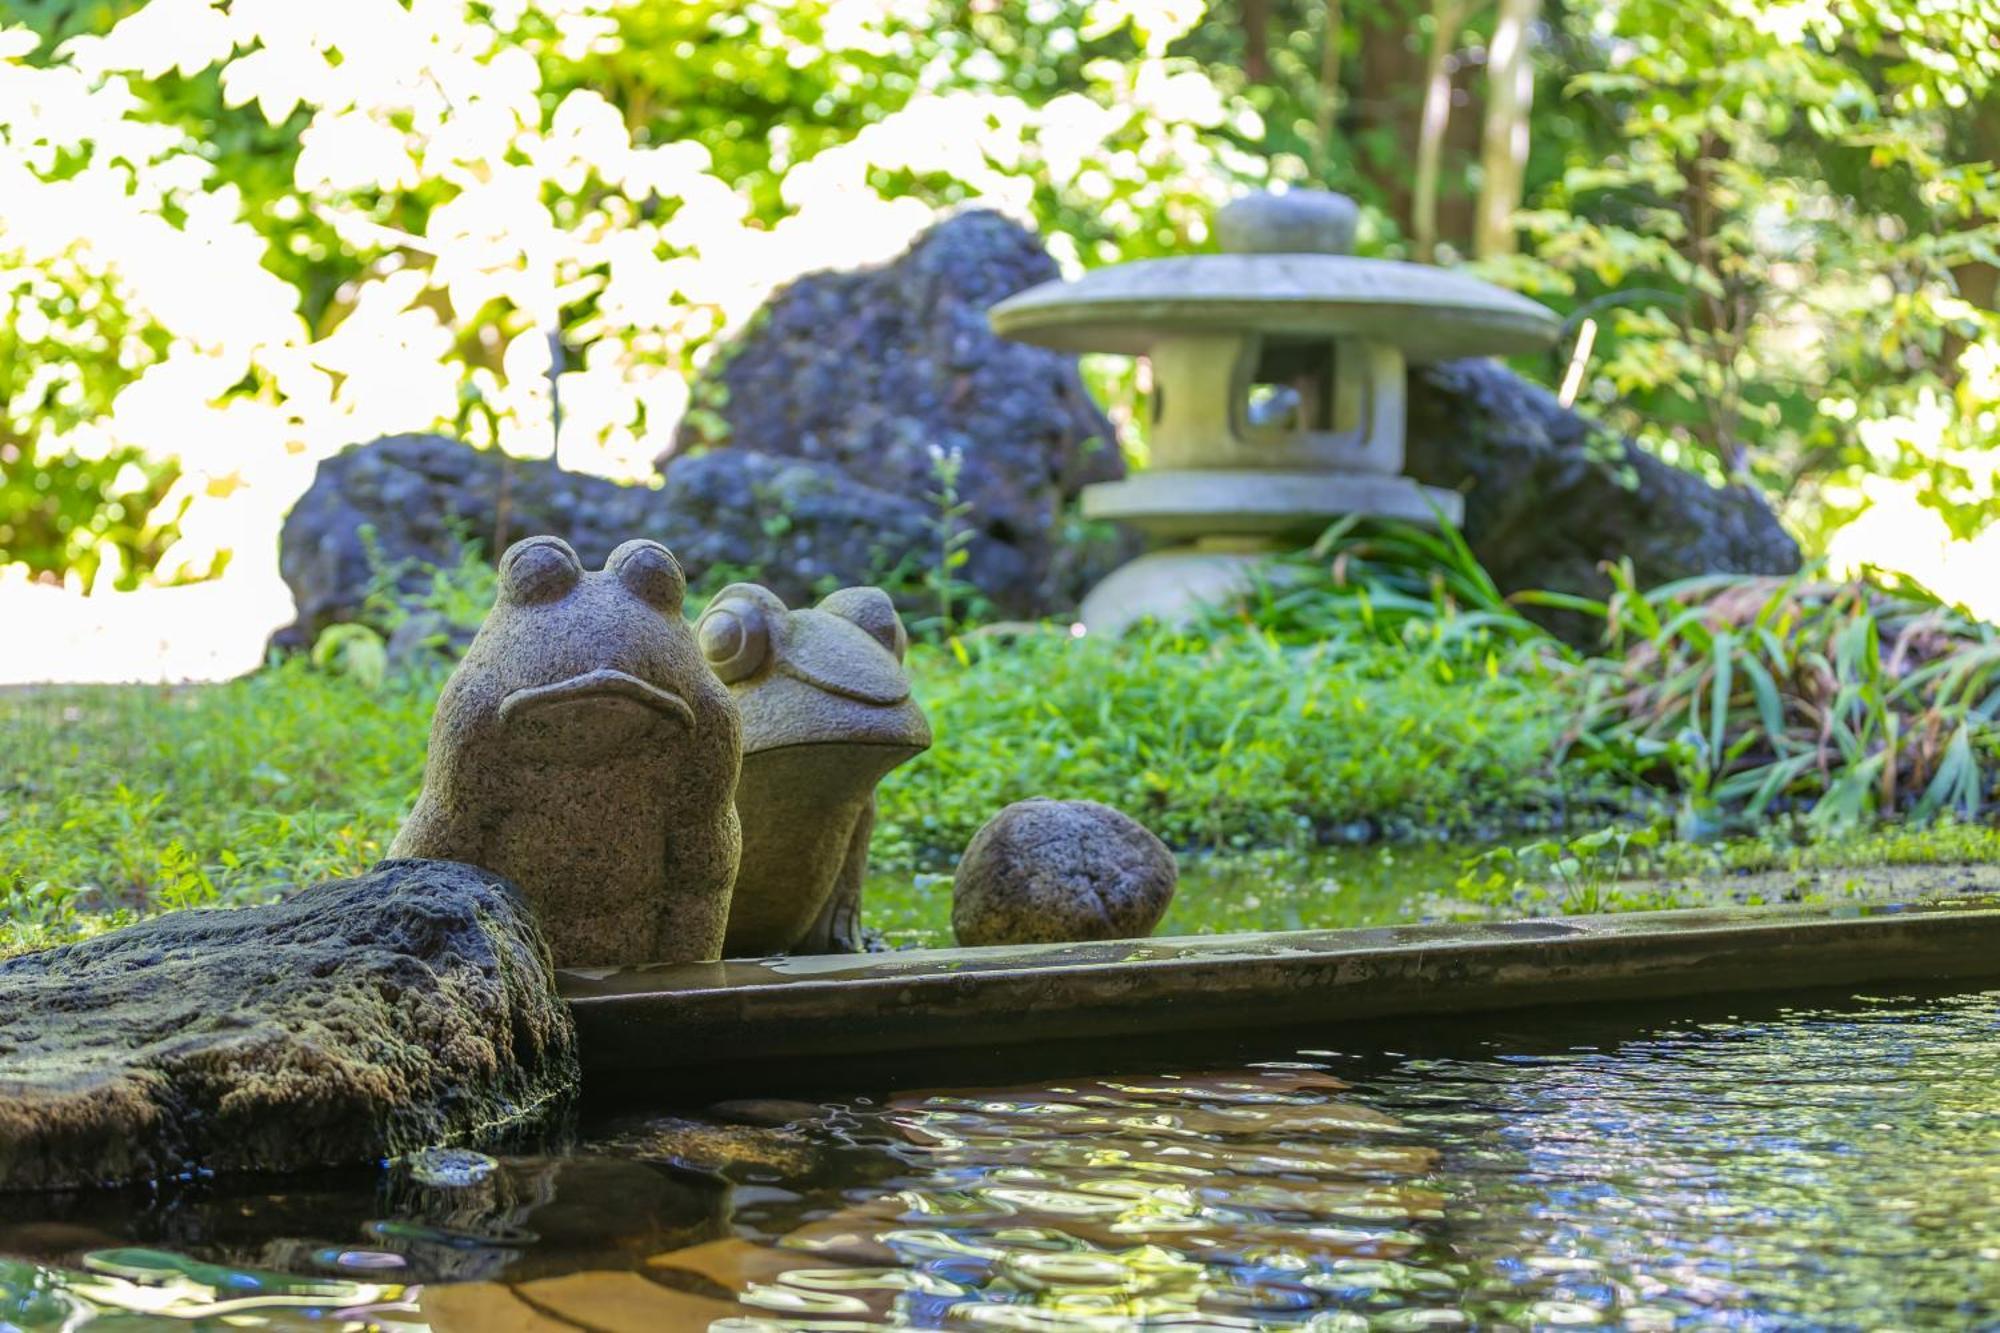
1825,1167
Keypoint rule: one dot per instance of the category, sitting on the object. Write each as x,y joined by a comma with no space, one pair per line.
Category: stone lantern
1278,389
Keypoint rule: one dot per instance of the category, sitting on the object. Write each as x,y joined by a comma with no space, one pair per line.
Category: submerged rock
1053,872
358,1019
744,1153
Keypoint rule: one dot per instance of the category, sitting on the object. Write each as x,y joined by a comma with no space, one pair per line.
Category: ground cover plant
1379,690
1846,700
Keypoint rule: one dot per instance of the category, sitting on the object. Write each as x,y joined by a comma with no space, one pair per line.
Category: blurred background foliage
236,235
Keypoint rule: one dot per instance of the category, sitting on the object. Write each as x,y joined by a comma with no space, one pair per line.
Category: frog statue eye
735,635
539,569
651,572
871,609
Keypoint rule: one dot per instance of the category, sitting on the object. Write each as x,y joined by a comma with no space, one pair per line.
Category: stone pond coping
672,1018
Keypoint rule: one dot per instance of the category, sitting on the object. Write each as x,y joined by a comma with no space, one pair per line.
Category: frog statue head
584,749
827,713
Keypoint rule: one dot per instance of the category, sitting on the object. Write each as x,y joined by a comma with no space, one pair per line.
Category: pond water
1830,1162
1317,888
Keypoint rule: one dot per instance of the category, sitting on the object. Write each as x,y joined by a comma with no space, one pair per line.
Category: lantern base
1187,504
1172,586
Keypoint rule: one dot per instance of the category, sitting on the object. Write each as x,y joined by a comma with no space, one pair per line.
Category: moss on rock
357,1019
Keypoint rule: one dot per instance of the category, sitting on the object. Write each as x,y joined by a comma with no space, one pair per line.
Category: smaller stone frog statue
827,713
584,750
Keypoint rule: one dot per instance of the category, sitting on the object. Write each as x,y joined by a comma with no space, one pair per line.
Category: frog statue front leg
827,713
838,926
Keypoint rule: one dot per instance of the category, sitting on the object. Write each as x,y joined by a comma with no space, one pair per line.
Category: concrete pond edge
669,1019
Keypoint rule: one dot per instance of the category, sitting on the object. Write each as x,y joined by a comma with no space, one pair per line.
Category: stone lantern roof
1429,314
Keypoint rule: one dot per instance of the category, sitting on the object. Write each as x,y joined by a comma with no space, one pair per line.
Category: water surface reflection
1819,1166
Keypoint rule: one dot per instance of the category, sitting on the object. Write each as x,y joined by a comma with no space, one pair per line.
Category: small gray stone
1049,872
585,750
358,1019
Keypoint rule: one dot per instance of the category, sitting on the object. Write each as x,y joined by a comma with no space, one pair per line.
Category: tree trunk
1503,146
1329,89
1386,78
1447,17
1256,40
1978,281
1719,313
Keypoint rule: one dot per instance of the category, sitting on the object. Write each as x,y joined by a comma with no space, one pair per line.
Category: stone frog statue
827,713
584,749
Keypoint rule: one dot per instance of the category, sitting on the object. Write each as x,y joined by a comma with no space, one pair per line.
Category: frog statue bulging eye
735,636
540,569
652,574
871,609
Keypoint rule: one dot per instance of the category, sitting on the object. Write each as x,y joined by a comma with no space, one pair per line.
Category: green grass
116,801
1383,689
119,801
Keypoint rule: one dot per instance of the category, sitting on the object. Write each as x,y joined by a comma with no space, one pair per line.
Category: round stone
1298,222
1056,872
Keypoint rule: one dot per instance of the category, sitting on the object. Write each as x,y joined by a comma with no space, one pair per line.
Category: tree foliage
236,235
240,235
1795,190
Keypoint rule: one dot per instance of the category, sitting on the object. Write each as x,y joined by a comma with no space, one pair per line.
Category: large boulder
814,463
1550,496
380,516
388,512
880,371
357,1019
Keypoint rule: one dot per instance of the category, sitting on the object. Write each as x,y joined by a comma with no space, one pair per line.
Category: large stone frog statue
584,749
827,713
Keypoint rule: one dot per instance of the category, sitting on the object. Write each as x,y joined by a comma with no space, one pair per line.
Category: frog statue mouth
604,685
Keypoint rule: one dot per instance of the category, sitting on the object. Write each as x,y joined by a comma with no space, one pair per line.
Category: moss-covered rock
357,1019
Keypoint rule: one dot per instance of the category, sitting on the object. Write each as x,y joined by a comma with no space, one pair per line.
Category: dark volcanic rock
793,525
407,503
1550,495
357,1019
876,371
834,407
411,503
